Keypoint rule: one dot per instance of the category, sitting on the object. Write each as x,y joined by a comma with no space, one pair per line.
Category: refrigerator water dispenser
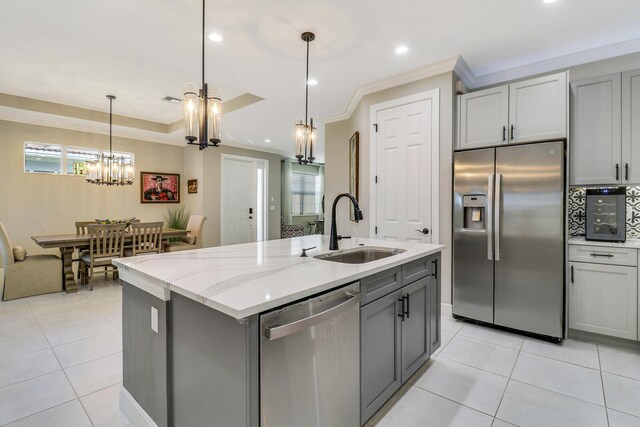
474,212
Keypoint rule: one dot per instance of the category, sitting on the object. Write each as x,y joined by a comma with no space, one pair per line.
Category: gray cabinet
538,109
435,311
380,353
631,126
398,331
415,326
604,299
525,111
605,142
596,150
484,117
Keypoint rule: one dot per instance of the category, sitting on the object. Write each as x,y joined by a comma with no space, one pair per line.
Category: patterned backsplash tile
577,212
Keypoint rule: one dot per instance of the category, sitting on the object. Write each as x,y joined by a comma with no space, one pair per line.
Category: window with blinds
305,193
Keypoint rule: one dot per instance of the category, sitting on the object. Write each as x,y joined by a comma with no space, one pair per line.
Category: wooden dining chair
106,242
82,229
147,238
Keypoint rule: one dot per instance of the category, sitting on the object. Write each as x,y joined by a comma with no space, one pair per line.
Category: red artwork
159,187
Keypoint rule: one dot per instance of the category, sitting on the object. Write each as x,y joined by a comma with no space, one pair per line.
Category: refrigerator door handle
497,214
490,218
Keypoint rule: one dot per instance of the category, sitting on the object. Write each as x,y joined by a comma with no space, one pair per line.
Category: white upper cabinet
631,127
531,110
605,130
538,109
595,131
484,117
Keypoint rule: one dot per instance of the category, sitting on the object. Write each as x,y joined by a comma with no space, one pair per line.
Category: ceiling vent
172,99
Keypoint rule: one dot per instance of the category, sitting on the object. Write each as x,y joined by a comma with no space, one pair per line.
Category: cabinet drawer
416,270
379,285
603,255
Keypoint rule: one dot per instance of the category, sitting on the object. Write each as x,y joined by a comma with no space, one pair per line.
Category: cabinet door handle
402,310
626,171
504,133
512,132
617,172
572,281
435,268
408,309
602,255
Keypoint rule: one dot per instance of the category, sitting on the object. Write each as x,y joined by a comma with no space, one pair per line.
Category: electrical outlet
154,319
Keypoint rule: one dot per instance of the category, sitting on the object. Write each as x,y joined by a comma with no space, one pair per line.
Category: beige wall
337,136
606,66
33,203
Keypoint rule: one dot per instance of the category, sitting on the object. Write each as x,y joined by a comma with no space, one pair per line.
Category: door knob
423,231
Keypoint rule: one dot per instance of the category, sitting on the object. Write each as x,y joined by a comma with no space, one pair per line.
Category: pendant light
202,111
305,133
110,169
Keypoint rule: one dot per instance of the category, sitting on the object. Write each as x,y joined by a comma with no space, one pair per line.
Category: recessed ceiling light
215,37
400,50
267,140
550,1
312,82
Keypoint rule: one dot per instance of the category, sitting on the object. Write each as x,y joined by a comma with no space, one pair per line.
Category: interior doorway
244,205
405,160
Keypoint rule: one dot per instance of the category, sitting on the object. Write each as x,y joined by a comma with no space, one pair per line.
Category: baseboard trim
133,411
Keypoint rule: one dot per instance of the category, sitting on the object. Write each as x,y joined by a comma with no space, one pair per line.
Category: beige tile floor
485,377
61,365
61,359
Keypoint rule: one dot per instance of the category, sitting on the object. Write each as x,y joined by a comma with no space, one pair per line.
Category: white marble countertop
630,243
243,280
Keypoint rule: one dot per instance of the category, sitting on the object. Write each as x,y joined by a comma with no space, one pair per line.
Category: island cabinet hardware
399,328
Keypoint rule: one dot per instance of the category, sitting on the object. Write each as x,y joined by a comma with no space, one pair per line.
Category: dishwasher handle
280,331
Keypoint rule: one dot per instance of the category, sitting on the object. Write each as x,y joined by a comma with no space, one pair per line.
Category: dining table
68,243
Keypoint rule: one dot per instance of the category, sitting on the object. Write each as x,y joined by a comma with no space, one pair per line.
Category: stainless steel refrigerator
509,238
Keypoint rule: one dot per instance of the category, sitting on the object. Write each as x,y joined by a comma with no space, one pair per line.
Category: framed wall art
192,186
158,187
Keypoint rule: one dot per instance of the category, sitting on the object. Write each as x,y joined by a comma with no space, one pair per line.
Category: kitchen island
192,331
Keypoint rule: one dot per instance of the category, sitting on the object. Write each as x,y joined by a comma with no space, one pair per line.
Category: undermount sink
360,255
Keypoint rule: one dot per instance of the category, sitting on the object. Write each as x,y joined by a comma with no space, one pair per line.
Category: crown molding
81,125
464,73
561,62
69,123
399,79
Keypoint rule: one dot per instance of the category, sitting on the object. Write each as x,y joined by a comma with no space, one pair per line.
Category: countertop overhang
247,279
580,240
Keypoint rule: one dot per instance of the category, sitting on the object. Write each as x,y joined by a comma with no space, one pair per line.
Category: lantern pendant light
110,169
202,111
304,132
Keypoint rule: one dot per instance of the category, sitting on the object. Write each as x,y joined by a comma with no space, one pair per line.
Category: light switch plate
154,319
272,208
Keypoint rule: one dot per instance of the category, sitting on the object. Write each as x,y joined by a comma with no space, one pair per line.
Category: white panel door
604,299
239,197
403,156
595,131
631,126
538,109
484,117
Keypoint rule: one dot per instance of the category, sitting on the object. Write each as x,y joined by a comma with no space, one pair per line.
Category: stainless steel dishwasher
310,362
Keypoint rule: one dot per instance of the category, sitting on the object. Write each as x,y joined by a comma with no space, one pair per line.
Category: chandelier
110,169
305,133
202,110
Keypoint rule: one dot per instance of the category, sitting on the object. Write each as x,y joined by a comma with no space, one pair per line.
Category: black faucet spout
357,214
